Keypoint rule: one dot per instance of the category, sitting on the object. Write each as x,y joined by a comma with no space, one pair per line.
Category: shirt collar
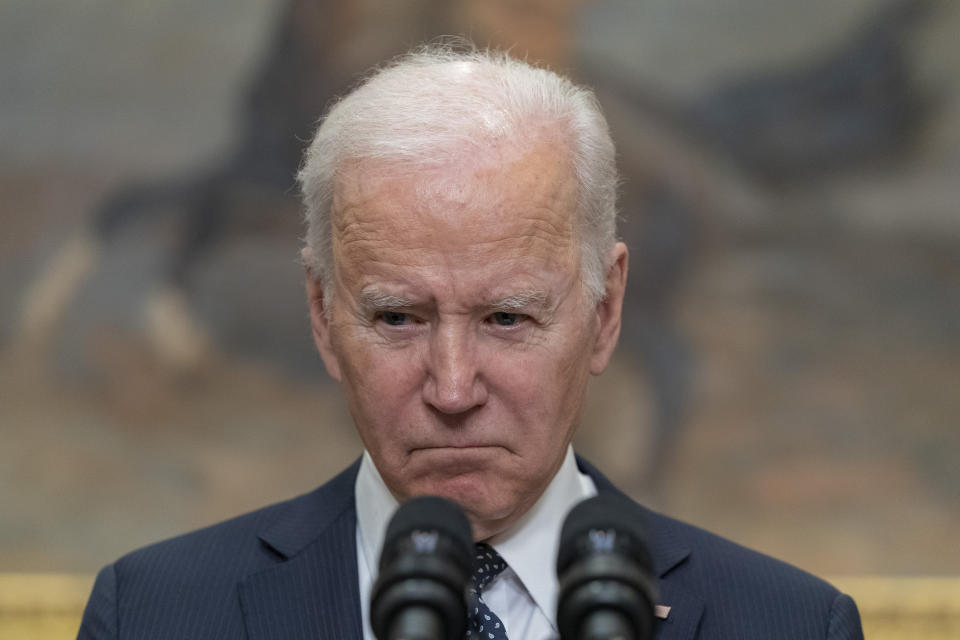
529,546
375,506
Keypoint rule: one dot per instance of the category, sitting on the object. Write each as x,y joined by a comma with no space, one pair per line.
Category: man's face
459,328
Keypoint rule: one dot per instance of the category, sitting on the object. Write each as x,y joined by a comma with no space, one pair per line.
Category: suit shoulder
243,543
714,554
746,593
187,586
211,550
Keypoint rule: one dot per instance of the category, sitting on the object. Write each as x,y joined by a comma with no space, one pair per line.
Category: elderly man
464,281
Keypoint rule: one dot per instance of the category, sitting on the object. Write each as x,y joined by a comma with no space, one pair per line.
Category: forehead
509,206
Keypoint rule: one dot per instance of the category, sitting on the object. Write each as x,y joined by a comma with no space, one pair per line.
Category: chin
462,487
490,500
483,495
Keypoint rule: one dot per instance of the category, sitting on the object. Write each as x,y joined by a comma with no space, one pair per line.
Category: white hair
438,104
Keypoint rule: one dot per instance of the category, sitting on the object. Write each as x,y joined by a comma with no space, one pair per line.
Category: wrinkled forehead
500,186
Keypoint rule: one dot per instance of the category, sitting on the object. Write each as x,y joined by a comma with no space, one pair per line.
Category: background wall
789,365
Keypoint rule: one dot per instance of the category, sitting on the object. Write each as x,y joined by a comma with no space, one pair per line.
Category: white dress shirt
524,596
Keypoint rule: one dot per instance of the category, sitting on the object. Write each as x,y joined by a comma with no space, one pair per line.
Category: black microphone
420,593
607,588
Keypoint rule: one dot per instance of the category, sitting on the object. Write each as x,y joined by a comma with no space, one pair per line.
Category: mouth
457,447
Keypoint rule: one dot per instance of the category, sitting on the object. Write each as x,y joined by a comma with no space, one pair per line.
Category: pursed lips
456,446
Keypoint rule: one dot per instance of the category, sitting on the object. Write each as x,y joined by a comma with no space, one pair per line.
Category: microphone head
420,523
424,570
607,586
604,524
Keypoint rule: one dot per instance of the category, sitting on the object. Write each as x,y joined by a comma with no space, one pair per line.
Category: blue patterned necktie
483,623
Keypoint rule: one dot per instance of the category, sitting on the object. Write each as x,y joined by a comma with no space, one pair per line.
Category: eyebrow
376,300
522,300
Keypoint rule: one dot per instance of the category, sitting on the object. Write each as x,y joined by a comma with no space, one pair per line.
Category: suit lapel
312,592
668,553
686,609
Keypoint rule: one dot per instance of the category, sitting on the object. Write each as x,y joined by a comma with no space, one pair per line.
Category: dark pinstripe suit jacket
289,571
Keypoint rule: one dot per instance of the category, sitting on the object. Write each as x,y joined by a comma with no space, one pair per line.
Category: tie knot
487,565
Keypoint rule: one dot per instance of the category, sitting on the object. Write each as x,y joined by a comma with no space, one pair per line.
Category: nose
453,384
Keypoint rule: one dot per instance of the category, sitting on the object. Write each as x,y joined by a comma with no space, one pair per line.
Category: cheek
380,384
543,387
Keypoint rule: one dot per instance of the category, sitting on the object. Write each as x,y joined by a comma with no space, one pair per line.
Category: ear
319,321
609,309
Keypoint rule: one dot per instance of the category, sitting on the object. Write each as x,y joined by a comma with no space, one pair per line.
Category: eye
506,319
394,318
